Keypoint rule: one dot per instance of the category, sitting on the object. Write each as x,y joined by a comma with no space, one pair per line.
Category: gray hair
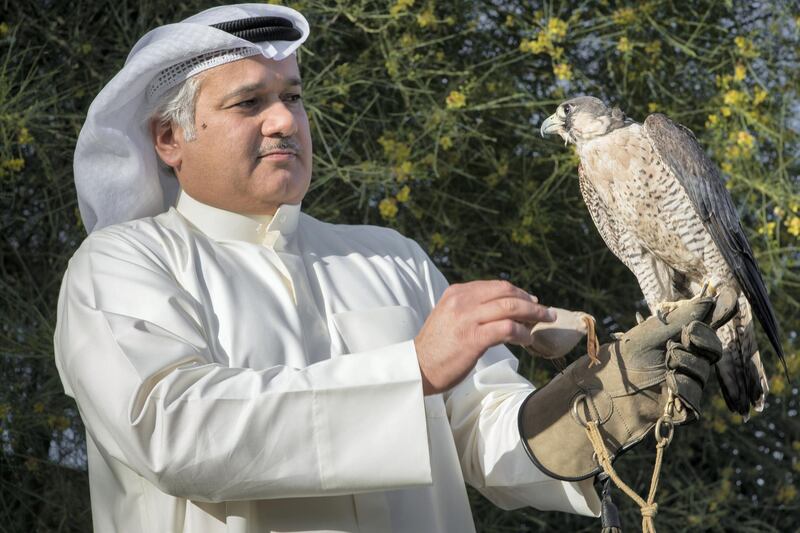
177,107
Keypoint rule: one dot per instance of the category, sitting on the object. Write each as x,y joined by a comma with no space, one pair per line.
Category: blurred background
425,118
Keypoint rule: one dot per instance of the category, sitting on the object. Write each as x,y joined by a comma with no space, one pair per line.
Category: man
241,366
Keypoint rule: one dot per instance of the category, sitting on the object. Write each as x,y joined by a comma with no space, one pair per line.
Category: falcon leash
663,431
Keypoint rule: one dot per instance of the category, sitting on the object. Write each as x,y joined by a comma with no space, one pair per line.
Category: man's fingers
515,308
486,290
504,331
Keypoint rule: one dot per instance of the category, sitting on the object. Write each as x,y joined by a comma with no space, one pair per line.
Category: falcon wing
680,152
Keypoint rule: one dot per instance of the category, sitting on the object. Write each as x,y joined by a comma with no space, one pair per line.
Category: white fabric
117,175
179,72
241,374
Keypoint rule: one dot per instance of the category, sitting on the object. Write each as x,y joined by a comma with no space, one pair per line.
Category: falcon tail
740,372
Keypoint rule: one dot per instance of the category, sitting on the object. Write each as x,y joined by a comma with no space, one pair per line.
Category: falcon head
580,119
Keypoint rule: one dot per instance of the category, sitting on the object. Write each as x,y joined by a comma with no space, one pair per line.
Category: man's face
252,152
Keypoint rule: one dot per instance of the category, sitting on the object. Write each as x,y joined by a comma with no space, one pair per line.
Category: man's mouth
278,155
285,150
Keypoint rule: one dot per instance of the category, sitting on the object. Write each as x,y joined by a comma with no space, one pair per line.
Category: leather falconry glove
627,392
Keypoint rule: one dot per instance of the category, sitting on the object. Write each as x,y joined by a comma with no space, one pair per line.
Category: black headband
260,29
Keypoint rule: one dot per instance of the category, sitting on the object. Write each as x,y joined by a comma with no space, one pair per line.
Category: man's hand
469,319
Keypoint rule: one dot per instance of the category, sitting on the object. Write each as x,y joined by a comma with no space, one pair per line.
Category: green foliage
425,118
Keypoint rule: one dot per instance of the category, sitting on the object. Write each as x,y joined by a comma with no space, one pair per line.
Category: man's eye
246,103
293,97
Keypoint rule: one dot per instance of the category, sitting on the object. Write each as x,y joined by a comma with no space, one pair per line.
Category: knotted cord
648,508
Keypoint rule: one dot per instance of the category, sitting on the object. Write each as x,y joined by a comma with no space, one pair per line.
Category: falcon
662,208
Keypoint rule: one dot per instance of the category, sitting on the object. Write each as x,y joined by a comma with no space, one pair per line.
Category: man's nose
279,121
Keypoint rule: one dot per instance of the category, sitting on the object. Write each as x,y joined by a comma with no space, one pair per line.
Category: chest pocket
373,328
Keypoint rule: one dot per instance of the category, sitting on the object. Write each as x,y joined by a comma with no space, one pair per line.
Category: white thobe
253,374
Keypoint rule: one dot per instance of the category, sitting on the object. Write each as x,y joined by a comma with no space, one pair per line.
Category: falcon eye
567,108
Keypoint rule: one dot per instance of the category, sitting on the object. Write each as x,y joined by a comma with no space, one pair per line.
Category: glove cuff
525,432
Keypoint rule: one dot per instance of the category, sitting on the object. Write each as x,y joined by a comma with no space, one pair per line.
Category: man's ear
167,143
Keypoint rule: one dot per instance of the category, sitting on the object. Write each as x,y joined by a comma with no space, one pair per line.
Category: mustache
285,144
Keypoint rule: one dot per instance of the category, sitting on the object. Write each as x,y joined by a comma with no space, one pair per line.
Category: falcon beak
553,124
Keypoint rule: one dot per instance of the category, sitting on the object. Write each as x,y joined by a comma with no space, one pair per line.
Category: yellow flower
734,97
653,48
509,21
86,48
727,168
652,107
3,29
439,55
388,208
786,494
394,150
437,241
404,171
793,226
446,142
624,16
759,95
426,18
562,71
14,165
624,45
733,152
521,237
767,229
403,194
337,106
718,425
713,120
725,110
392,67
38,407
745,46
406,40
400,6
745,140
739,72
777,385
778,212
456,100
24,136
540,45
344,70
556,29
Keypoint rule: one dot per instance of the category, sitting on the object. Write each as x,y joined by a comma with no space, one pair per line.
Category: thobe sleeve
483,411
132,349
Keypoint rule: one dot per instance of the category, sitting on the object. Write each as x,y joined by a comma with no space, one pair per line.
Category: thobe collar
222,225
